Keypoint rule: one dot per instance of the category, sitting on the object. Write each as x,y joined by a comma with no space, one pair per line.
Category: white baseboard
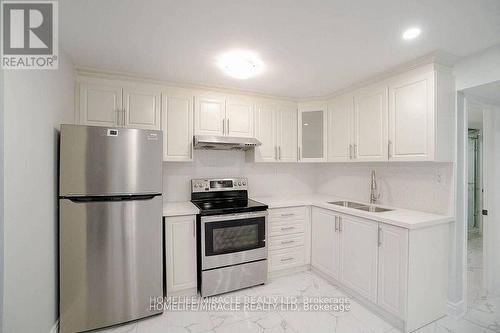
456,310
55,328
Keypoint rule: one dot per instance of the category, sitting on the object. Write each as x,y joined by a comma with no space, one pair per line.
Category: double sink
360,206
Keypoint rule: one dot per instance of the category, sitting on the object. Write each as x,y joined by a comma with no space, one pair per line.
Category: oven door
233,239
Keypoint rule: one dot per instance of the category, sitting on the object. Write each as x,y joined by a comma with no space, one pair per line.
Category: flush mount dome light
411,33
240,64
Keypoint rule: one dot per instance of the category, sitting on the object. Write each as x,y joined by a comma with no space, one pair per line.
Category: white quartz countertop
405,218
179,208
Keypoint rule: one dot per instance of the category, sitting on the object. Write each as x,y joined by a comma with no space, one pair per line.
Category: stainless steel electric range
231,236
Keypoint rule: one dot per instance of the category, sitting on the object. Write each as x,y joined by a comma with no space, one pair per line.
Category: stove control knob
195,185
239,183
244,183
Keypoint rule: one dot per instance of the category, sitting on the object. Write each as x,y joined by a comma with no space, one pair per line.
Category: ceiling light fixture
411,33
240,64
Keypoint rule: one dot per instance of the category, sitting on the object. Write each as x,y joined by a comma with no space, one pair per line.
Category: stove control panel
219,184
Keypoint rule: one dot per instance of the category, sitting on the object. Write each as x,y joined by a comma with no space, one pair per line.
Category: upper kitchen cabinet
312,132
421,115
276,129
340,129
239,117
100,104
219,115
210,115
105,102
177,125
370,124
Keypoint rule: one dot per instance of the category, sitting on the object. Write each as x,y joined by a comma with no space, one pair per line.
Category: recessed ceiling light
411,33
240,64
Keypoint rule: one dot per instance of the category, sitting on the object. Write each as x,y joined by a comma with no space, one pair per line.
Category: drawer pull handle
287,259
287,214
287,228
287,242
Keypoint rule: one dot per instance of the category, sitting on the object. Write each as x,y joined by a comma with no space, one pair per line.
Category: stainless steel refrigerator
110,225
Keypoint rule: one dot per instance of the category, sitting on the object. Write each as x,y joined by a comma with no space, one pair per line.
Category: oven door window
234,236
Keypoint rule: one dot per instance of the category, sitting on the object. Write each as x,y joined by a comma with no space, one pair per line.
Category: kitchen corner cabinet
177,126
312,134
119,104
180,254
402,274
220,115
276,129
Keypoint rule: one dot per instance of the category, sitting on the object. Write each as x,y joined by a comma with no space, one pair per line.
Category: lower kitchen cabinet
180,254
289,238
358,255
402,273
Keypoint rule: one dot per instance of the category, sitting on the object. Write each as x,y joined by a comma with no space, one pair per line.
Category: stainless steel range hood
224,142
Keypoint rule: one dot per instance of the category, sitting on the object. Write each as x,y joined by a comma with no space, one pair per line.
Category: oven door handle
230,217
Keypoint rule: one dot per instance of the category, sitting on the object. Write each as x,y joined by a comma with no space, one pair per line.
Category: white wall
478,69
419,186
412,186
264,178
1,198
36,103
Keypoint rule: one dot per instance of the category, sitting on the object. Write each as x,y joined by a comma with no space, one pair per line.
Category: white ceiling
310,48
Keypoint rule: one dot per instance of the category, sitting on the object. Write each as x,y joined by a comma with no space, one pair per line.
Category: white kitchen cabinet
287,133
119,103
210,115
370,124
340,129
358,255
392,269
177,125
142,107
180,253
276,129
100,104
312,134
325,242
239,117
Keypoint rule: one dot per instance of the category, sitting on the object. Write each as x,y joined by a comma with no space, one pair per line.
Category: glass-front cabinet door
312,133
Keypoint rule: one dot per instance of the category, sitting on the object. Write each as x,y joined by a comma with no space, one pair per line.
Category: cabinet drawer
286,214
283,242
286,228
288,258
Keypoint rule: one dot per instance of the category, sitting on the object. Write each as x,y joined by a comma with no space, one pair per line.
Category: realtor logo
29,35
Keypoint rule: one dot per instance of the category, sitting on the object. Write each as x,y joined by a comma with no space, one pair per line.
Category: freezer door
111,261
109,161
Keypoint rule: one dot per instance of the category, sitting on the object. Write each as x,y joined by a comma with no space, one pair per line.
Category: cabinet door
177,125
287,133
265,131
370,124
239,117
359,243
340,125
392,268
209,115
325,242
142,107
312,134
100,104
411,118
180,247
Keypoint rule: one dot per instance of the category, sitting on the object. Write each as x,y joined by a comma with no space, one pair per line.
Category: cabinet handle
124,116
118,117
275,152
191,150
389,147
287,228
336,224
287,214
355,151
227,126
286,259
299,157
350,152
279,153
379,236
340,224
223,126
288,242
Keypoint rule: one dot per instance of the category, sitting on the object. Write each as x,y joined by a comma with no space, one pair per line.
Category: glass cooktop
228,206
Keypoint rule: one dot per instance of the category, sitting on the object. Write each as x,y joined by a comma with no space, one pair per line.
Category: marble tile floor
483,312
